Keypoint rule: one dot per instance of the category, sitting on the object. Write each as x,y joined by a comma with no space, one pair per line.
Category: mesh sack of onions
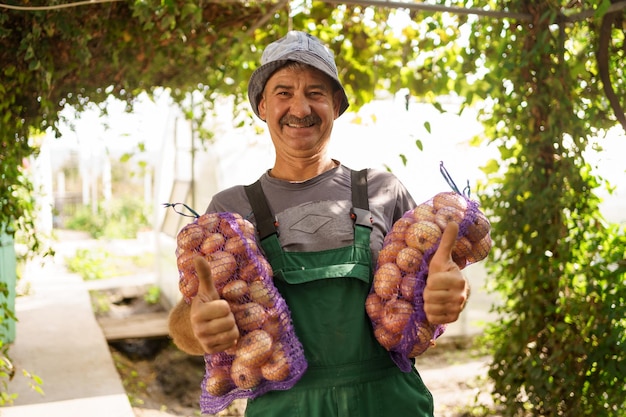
268,355
395,304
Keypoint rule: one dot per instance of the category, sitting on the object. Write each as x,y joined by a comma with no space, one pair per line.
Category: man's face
299,106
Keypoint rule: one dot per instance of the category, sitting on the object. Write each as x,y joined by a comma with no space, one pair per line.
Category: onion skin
407,287
250,316
245,377
396,315
235,290
254,349
422,235
219,382
212,243
190,237
277,366
223,266
409,259
261,293
447,215
478,228
450,199
386,338
387,280
374,306
389,252
424,212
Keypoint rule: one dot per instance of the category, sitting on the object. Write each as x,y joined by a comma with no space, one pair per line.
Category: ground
161,381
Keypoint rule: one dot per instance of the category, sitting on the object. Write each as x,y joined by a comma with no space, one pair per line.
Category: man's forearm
180,330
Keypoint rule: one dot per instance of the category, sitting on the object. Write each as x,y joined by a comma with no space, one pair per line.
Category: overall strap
264,219
360,211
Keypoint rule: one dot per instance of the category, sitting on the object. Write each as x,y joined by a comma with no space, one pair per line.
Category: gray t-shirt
314,215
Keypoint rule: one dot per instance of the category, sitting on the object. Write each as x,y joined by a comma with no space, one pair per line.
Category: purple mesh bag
395,303
268,355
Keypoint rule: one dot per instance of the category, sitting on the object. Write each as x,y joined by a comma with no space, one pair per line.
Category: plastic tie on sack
395,304
268,355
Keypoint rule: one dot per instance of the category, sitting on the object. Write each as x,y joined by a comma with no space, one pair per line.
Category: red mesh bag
395,303
268,355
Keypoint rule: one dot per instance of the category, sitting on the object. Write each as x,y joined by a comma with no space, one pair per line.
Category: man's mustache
309,120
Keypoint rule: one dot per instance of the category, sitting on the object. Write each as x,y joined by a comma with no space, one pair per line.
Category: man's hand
212,320
446,288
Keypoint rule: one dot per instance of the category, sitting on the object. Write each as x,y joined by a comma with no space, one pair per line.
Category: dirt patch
162,381
155,374
167,384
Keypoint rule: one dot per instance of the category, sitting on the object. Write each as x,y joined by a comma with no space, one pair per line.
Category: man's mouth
300,123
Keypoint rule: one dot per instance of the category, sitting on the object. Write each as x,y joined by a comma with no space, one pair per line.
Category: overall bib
349,373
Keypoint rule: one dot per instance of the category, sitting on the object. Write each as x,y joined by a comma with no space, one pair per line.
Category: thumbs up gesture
446,288
212,321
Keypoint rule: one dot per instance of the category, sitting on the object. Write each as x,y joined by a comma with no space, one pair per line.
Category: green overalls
349,373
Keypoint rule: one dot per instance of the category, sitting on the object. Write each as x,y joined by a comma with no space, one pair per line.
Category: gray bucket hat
295,46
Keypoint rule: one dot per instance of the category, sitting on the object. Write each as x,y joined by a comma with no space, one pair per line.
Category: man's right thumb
206,288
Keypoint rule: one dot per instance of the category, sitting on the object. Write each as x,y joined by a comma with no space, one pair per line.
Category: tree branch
267,16
608,20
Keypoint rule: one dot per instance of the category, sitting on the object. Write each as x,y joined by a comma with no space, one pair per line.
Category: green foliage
83,219
100,303
34,381
558,349
122,219
99,263
133,383
153,295
6,374
91,264
7,371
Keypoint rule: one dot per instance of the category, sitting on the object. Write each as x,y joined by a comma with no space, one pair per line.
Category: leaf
34,65
439,107
427,126
419,144
491,167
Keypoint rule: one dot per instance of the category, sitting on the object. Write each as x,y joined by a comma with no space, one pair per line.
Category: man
297,92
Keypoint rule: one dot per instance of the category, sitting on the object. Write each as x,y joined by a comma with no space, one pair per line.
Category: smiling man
303,209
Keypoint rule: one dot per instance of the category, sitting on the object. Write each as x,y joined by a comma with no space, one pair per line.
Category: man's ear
261,107
337,99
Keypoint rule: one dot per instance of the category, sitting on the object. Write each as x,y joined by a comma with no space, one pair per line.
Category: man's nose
300,106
